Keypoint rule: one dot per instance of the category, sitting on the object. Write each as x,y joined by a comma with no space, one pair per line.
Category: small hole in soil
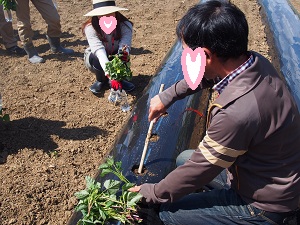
165,114
135,170
154,138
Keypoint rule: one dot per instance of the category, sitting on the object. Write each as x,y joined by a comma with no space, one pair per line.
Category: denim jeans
218,206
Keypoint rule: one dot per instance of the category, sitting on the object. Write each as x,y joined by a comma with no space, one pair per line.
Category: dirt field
59,131
296,5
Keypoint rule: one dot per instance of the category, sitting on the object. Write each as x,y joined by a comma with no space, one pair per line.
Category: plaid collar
220,86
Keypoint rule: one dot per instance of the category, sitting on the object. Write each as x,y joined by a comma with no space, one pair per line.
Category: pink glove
116,85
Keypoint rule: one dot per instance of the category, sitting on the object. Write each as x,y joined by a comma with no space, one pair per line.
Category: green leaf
133,198
87,222
118,70
118,165
98,185
82,194
108,204
110,161
102,214
104,172
112,185
103,166
101,205
113,197
81,207
126,186
79,222
90,183
125,196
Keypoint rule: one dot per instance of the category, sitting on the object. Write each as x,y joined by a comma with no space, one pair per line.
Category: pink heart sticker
108,24
193,66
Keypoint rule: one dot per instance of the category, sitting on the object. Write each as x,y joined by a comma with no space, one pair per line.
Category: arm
96,45
185,179
161,102
228,137
126,35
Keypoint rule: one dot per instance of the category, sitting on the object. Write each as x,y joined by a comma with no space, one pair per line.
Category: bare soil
59,131
296,5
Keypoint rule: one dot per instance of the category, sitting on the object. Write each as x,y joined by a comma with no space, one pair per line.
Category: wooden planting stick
148,138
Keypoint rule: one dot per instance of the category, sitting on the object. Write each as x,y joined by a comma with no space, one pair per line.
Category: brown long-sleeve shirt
253,131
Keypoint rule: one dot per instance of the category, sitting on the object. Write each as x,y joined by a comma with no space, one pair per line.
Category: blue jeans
218,206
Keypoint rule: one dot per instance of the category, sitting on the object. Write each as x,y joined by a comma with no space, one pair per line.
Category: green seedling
112,201
117,69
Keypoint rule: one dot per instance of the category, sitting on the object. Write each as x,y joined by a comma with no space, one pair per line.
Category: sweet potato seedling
117,68
110,201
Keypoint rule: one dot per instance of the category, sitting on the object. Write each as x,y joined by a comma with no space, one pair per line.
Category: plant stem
119,174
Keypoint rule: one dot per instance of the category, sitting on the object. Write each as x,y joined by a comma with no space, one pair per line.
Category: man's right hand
156,109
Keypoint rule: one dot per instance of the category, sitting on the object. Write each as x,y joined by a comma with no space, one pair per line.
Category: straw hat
103,7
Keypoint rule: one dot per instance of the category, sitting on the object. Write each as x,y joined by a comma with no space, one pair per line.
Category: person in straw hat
102,43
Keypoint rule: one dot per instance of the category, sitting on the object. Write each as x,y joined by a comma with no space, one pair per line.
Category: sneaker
96,87
16,50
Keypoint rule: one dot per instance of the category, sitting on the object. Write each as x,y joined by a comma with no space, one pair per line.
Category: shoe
36,59
16,50
33,56
56,46
127,86
96,87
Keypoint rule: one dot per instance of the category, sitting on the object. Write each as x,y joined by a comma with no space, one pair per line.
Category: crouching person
102,44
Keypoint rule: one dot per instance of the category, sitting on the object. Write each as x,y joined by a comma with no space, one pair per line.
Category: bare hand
135,189
156,109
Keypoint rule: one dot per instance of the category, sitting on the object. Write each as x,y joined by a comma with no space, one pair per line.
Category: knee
164,214
183,157
164,217
89,59
86,59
